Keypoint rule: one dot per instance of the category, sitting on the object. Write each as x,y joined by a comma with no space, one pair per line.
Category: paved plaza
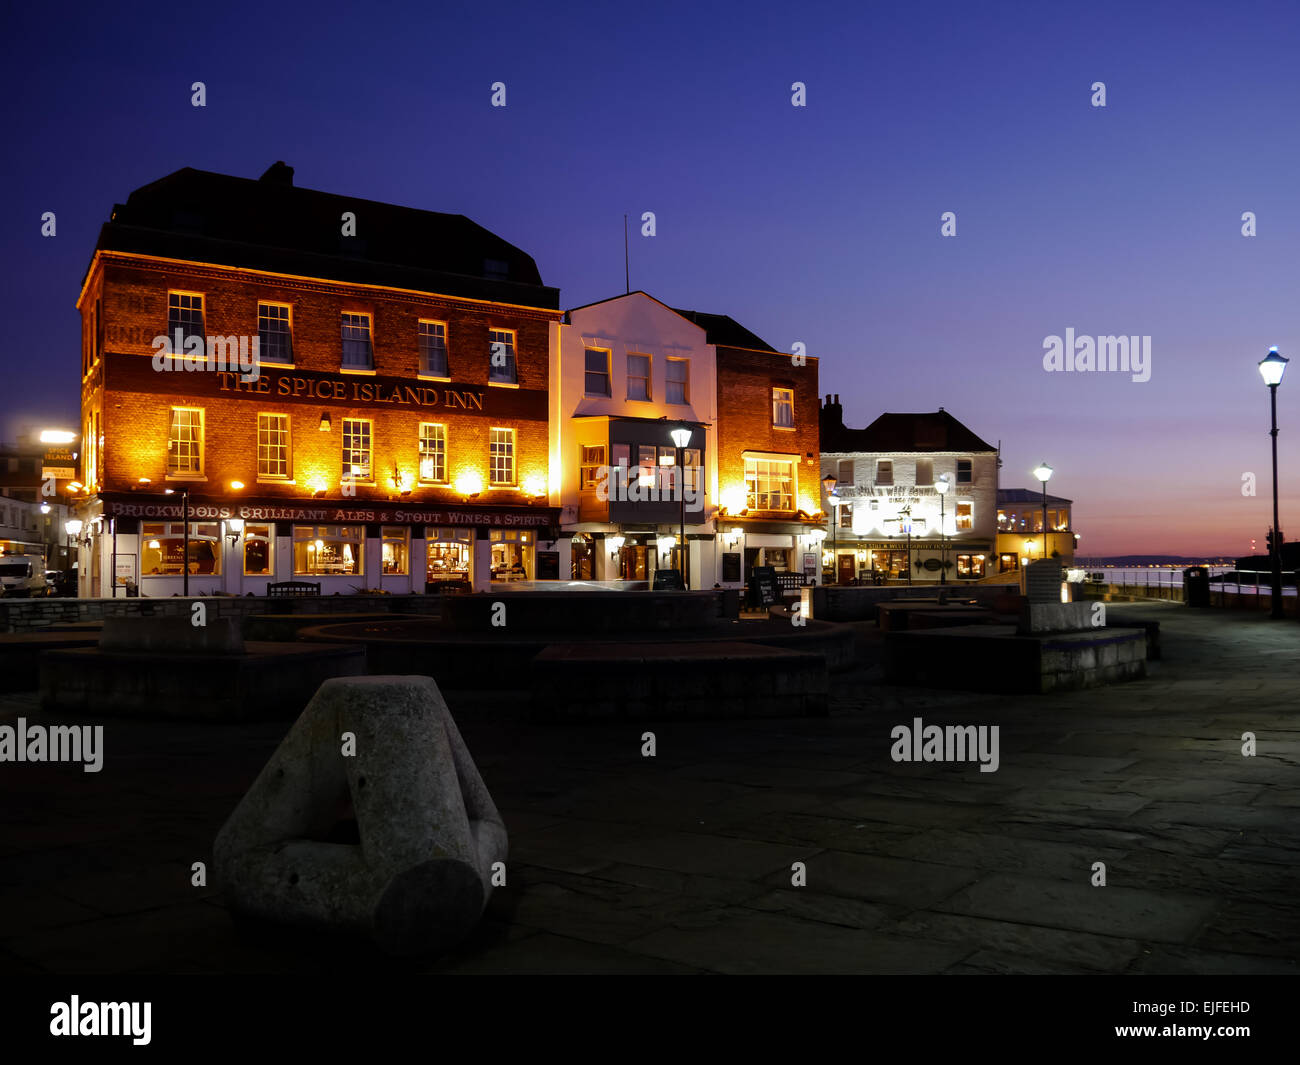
682,862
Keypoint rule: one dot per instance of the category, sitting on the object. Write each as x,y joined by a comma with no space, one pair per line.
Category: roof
898,434
722,329
270,224
1010,496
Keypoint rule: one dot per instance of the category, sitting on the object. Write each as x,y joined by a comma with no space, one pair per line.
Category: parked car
22,576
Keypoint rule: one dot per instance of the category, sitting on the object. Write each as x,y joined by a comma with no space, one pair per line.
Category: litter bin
1196,586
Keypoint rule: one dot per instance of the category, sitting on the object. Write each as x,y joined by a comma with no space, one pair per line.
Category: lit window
678,373
433,349
162,551
433,453
596,372
692,461
185,441
769,484
501,457
357,353
783,408
328,550
965,517
501,361
356,450
395,553
971,565
593,459
274,333
273,446
185,312
259,550
638,377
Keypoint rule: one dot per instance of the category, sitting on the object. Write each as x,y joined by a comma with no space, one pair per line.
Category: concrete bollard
421,875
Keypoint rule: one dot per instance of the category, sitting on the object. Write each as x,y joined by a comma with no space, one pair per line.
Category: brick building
768,455
393,432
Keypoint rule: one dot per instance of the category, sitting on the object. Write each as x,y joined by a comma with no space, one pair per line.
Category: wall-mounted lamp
325,423
535,486
615,544
234,529
236,486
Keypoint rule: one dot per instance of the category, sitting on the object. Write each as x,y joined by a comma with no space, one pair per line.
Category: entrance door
845,568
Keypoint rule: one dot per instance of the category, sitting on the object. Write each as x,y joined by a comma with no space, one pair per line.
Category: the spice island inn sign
120,505
131,373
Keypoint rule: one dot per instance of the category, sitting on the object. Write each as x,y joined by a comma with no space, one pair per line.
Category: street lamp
1271,368
829,482
941,486
682,438
1044,474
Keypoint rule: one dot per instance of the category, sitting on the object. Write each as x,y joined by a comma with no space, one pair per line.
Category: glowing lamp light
320,544
236,485
317,485
235,525
143,480
614,543
943,484
808,506
666,544
45,508
681,437
72,526
154,545
1043,473
733,499
1271,367
75,486
535,486
62,436
469,483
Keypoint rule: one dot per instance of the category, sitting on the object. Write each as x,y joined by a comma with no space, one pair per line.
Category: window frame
493,481
187,475
587,371
344,367
275,478
420,454
422,370
288,332
512,361
685,363
348,478
779,403
648,377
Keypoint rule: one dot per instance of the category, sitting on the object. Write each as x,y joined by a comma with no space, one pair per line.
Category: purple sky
818,224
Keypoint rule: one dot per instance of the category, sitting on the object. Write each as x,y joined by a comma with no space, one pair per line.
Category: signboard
668,580
126,570
731,566
548,565
332,513
59,463
810,565
763,589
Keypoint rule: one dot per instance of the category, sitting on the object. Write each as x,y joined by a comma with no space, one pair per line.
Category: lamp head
1271,367
1043,473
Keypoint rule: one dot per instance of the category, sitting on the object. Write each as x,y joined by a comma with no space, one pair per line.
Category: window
1006,563
185,442
924,472
501,364
964,475
965,519
162,548
273,446
259,550
328,550
501,457
433,453
769,484
597,372
694,467
844,474
647,463
356,450
884,471
783,408
395,555
592,460
970,566
845,518
185,312
638,377
357,354
447,553
668,469
678,372
512,554
433,349
274,333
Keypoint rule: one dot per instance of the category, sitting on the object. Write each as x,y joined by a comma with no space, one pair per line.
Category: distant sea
1173,575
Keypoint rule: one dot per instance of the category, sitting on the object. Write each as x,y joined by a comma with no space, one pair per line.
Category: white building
891,521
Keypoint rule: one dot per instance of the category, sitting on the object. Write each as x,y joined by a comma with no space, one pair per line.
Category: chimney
831,420
278,173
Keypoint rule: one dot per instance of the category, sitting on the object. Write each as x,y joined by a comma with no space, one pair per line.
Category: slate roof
723,330
270,224
899,434
1021,496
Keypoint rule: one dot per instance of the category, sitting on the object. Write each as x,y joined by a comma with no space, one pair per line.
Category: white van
22,575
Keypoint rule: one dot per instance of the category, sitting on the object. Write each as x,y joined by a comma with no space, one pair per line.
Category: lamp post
829,483
905,513
942,486
1271,368
1044,474
682,438
73,528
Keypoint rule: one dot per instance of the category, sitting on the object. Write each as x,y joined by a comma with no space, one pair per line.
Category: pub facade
280,384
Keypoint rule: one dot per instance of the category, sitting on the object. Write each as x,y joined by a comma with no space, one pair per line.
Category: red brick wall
135,422
745,383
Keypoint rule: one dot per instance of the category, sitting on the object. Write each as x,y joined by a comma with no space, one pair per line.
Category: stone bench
666,681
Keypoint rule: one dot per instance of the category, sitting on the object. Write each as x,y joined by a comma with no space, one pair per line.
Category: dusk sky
818,224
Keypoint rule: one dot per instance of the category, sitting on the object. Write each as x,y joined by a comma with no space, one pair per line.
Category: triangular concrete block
429,833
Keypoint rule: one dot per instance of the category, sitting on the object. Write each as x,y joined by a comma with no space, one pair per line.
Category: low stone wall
859,603
32,615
